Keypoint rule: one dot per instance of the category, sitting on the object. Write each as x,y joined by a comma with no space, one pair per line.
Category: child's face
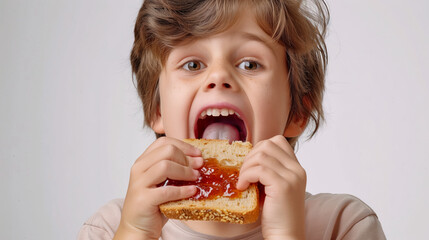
241,69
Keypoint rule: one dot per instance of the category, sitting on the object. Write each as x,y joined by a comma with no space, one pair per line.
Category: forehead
245,28
214,18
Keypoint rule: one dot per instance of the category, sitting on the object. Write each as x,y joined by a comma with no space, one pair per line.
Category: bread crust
242,210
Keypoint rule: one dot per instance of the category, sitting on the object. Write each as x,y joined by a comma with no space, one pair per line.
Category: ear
157,124
295,127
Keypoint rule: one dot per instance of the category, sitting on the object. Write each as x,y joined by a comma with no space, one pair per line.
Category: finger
267,161
165,152
291,170
265,176
168,169
275,149
282,142
280,178
279,148
195,162
186,148
172,193
291,162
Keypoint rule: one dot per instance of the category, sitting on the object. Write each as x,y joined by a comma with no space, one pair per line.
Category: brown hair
299,26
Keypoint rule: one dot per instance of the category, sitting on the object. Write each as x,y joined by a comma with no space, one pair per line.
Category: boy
261,62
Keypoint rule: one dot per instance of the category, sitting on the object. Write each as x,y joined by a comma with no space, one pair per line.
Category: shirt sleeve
368,228
89,232
340,217
104,223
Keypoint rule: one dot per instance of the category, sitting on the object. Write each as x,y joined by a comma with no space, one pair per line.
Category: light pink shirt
328,216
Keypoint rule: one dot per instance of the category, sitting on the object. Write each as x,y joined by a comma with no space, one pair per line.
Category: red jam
214,181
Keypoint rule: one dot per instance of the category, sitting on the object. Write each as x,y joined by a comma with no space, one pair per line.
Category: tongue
221,131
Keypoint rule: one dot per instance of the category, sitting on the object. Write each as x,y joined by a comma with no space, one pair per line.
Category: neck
221,229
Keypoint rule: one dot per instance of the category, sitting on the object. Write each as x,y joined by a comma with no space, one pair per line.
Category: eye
249,65
193,65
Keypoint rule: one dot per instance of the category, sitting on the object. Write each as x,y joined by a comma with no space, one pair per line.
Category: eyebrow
254,37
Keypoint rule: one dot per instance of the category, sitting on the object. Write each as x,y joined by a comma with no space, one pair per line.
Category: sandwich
217,199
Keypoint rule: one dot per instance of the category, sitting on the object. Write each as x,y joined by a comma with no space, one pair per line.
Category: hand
273,163
165,158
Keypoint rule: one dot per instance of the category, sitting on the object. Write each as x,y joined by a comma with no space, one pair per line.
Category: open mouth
214,123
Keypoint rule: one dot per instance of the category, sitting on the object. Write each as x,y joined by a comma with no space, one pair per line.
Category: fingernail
199,161
196,173
191,190
198,151
239,186
196,162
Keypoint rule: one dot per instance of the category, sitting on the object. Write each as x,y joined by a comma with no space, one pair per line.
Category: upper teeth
216,112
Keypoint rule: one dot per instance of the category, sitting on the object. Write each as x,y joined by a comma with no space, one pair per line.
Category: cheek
271,107
175,105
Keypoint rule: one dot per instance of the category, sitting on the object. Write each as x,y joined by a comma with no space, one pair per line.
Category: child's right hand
165,158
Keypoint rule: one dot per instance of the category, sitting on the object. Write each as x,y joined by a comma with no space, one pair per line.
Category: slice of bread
242,209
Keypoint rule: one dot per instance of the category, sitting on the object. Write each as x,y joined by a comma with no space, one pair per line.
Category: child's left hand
273,163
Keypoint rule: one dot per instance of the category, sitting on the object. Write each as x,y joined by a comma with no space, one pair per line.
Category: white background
71,121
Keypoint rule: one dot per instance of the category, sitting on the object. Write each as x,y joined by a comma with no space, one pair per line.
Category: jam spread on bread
215,181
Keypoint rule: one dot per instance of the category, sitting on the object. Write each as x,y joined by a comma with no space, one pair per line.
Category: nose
220,78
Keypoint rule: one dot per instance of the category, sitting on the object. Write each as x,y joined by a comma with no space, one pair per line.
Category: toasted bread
241,209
